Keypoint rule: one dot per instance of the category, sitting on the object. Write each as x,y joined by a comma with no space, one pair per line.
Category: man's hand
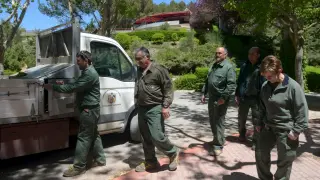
166,113
293,136
237,100
220,101
258,128
203,99
47,86
60,82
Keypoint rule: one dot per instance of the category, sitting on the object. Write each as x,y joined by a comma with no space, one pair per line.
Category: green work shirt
221,80
154,87
285,107
86,87
249,81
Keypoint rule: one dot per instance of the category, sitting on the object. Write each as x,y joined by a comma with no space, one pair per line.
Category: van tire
135,136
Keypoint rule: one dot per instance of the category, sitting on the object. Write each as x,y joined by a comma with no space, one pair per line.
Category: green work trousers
151,124
217,115
287,148
89,140
244,106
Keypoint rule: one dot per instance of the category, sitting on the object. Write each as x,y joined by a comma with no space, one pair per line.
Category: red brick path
237,162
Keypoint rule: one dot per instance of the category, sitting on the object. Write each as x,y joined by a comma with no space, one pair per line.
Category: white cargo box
19,98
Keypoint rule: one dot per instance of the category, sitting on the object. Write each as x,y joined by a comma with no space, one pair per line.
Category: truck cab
45,119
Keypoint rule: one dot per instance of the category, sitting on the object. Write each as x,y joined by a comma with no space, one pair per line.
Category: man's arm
239,79
300,110
166,87
82,83
261,112
231,83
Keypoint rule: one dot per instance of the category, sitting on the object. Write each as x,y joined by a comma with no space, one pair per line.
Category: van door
116,84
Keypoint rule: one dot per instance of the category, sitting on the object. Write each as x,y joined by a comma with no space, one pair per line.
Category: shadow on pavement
48,164
238,176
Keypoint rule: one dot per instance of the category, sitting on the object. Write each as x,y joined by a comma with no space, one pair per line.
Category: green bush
124,40
313,76
147,34
158,38
165,26
174,38
201,73
194,81
187,82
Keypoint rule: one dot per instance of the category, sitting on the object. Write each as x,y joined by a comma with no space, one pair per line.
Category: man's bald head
221,54
254,55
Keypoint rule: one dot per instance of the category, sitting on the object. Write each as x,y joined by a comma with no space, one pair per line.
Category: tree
9,26
206,12
76,8
292,17
111,11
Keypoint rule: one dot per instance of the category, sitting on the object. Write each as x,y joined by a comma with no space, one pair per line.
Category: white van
34,120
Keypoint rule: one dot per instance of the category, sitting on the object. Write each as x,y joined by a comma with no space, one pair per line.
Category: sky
34,19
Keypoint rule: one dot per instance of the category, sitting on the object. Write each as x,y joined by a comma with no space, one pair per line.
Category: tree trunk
2,51
298,66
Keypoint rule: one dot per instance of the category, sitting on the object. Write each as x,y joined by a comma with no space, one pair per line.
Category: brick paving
237,161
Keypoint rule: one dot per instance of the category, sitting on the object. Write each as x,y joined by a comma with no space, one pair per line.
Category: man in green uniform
153,95
87,89
220,84
247,93
283,115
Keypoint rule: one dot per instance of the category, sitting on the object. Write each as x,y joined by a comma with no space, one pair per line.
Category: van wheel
135,136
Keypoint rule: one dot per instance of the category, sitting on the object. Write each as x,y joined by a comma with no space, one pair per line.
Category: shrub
313,75
201,73
158,38
147,34
124,40
187,82
165,26
174,38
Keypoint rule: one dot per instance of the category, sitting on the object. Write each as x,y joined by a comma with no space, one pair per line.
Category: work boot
217,152
174,161
96,164
72,171
146,166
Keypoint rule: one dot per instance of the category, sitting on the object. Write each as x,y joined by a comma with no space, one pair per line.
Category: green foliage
201,73
194,81
180,62
174,38
188,43
165,26
20,54
124,40
158,38
313,76
187,82
147,35
313,45
9,72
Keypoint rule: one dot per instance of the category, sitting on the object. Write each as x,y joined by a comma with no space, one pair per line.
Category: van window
109,61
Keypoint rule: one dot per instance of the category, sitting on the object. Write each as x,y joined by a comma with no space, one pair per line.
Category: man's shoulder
159,67
92,72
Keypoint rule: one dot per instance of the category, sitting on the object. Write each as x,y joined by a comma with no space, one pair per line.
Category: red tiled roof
159,16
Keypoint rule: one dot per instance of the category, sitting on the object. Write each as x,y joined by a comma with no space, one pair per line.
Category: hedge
147,35
196,81
313,76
